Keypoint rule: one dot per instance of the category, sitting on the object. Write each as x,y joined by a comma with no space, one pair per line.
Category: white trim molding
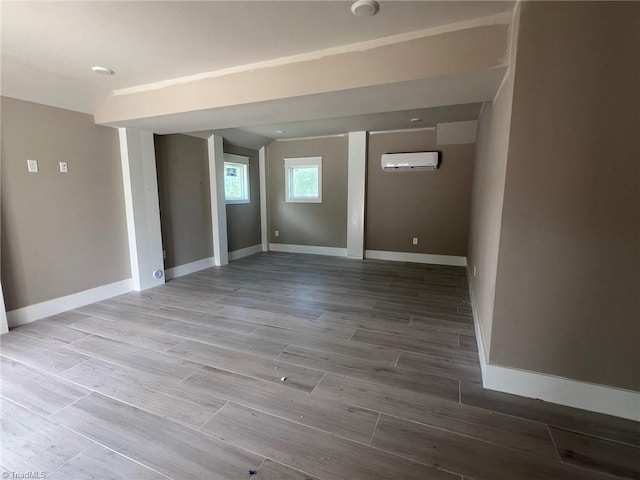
451,260
4,326
218,203
245,252
310,249
482,355
564,391
187,268
37,311
142,208
357,174
264,219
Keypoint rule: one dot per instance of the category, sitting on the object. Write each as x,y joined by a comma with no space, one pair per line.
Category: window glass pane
234,181
304,182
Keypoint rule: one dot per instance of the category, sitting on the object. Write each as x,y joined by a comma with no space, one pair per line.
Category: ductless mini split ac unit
397,162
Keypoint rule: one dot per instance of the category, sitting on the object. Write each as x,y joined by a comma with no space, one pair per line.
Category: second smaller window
303,179
236,179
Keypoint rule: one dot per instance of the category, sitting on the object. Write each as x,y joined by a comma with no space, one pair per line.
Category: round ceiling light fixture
102,70
281,132
365,8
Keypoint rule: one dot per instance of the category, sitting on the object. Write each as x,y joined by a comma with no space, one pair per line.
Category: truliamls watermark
30,474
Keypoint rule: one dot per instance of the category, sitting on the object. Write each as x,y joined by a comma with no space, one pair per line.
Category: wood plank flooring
295,367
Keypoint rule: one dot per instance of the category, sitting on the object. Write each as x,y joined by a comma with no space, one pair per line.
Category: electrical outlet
164,254
474,270
64,168
277,233
415,240
32,166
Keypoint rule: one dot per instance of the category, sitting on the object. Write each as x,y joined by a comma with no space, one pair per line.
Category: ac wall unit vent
409,162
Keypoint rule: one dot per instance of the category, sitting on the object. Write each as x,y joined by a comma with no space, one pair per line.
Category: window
236,179
303,179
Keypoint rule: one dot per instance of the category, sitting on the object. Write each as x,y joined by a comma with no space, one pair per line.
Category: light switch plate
64,168
32,166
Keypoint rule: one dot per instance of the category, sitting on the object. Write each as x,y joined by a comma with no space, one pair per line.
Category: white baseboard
188,268
375,254
477,326
245,252
417,258
310,249
564,391
4,327
37,311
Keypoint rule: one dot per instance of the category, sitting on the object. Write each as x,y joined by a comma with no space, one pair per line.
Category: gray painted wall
61,233
243,220
492,144
431,205
320,224
185,203
562,298
486,206
568,278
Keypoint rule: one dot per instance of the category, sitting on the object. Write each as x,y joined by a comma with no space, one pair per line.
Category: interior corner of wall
479,117
513,35
486,343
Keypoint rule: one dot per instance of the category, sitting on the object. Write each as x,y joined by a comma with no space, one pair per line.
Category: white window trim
289,163
240,160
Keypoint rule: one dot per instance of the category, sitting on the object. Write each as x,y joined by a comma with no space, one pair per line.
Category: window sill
303,200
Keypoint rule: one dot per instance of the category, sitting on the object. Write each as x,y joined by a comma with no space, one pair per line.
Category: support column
142,207
264,219
4,326
357,173
218,202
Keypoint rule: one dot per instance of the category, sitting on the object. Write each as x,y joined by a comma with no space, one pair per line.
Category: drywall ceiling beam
435,55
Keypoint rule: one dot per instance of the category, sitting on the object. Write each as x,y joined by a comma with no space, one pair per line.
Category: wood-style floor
295,367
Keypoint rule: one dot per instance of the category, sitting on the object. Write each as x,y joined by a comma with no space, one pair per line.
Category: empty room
318,240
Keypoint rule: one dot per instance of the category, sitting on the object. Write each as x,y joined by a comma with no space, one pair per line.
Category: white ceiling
256,137
49,47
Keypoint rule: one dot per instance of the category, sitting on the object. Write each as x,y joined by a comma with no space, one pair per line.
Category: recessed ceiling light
102,70
281,131
365,8
415,119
